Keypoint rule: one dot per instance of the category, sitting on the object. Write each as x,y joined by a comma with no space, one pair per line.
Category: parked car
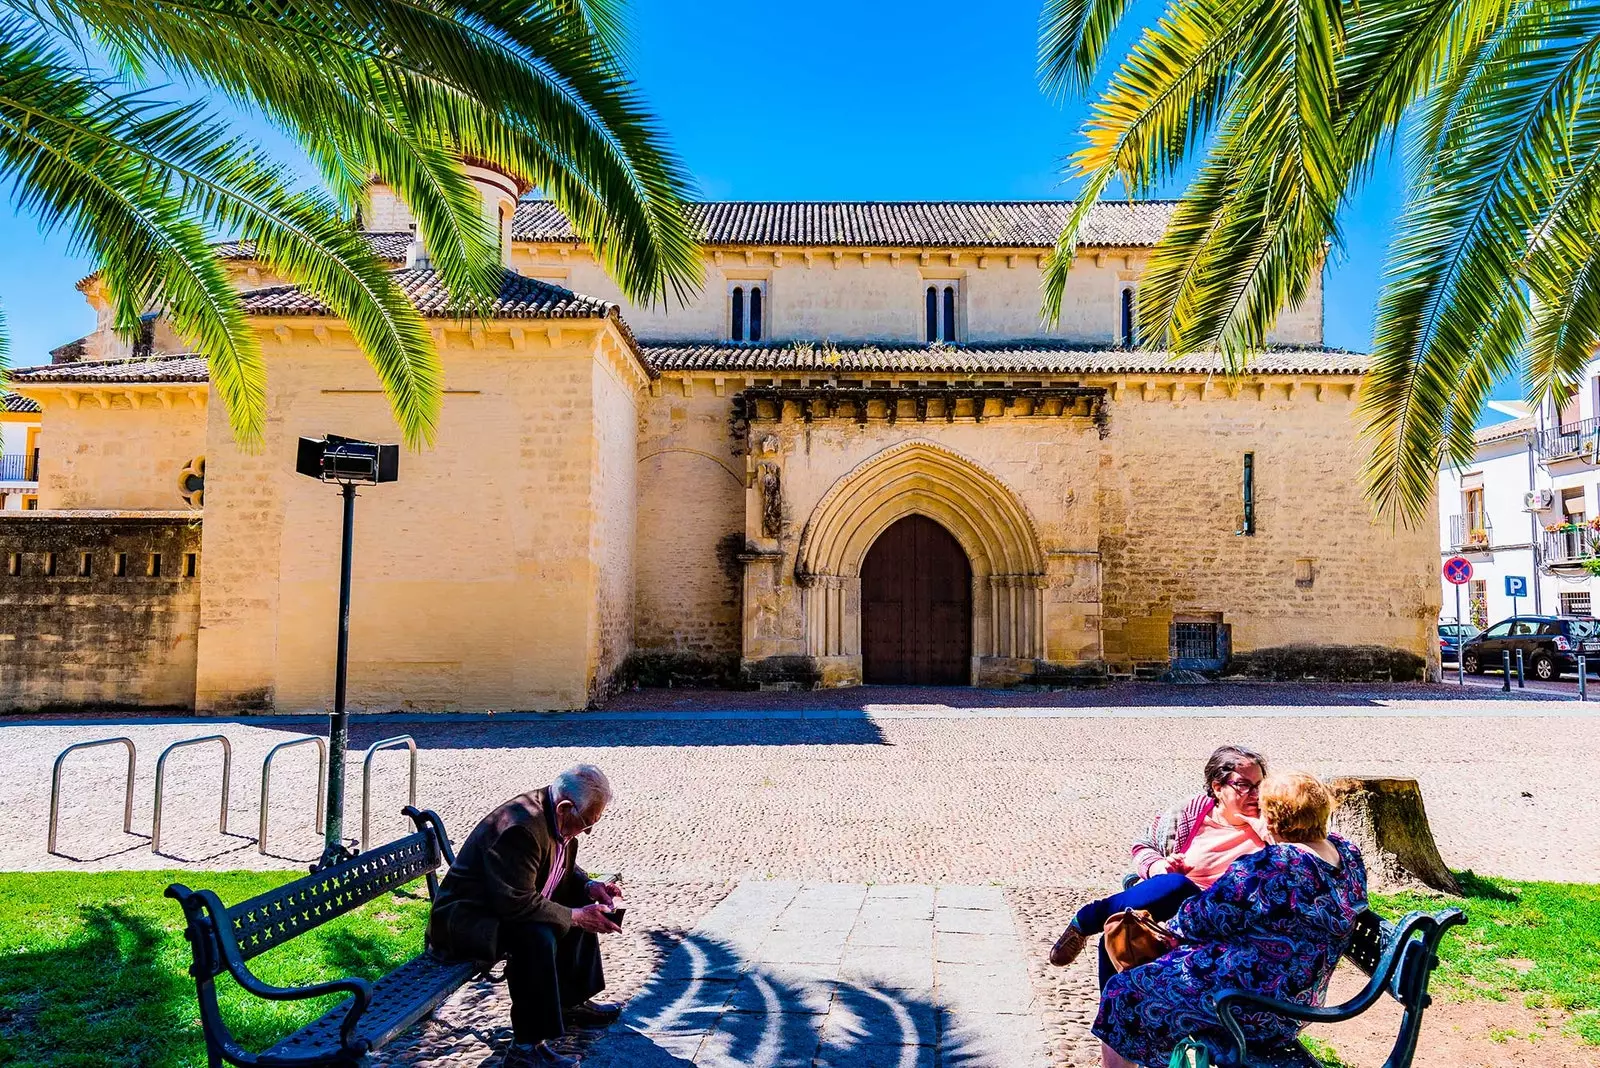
1451,637
1550,645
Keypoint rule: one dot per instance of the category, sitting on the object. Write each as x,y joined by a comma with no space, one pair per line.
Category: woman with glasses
1187,849
1275,925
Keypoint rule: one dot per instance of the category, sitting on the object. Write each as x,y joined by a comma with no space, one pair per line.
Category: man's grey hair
584,785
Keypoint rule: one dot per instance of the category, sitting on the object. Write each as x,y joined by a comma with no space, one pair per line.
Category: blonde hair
1296,806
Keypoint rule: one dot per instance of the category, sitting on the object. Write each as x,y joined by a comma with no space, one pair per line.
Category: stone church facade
854,456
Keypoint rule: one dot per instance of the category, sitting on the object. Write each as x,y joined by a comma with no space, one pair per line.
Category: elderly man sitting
516,893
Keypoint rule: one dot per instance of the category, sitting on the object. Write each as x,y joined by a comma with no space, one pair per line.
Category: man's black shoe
594,1013
540,1055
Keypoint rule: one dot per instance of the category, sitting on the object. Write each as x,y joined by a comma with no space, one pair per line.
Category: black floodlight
348,463
347,460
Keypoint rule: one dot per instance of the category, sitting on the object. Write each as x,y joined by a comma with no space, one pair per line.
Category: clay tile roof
389,246
519,297
1040,357
1023,224
176,367
1510,428
16,402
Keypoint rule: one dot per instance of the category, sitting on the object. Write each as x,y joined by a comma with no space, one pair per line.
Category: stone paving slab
784,974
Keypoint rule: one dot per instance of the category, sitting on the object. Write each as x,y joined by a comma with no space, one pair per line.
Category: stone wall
1137,528
880,298
1319,567
87,635
691,509
614,499
118,448
477,575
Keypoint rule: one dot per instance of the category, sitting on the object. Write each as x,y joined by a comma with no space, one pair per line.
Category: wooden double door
916,607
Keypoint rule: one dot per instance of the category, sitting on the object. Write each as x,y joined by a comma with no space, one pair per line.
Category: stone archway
984,516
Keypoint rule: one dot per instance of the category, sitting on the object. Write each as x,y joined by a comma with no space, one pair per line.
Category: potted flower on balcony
1477,537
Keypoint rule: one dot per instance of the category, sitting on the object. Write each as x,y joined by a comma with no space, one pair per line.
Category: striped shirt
1171,832
558,869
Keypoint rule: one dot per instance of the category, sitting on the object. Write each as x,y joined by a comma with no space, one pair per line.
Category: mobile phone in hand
616,915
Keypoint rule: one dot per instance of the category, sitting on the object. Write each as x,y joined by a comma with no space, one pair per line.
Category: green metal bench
224,939
1398,959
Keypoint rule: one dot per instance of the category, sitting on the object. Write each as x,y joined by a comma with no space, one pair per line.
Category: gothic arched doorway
916,607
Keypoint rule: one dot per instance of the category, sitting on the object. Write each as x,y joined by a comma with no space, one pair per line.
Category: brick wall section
77,640
691,522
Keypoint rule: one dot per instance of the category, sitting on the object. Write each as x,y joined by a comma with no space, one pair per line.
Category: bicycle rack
366,778
55,785
266,783
161,772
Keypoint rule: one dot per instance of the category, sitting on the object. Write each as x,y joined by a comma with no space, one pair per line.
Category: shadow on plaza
706,1006
603,733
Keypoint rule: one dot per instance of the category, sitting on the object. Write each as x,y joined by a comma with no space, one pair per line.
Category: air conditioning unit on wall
1538,500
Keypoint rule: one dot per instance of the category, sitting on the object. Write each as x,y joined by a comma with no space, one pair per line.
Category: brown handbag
1132,938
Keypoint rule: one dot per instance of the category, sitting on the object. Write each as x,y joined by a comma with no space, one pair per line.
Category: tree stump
1385,819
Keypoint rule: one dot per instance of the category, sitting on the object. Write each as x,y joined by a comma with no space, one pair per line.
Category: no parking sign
1458,571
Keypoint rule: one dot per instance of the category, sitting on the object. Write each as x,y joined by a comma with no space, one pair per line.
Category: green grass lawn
1539,942
94,967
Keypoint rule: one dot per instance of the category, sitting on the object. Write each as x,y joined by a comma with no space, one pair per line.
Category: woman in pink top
1187,850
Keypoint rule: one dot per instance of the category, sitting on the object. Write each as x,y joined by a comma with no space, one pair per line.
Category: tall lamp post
348,463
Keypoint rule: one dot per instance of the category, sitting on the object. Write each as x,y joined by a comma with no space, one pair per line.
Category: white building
1524,506
19,452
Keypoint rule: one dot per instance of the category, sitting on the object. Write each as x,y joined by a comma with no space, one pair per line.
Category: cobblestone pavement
1008,799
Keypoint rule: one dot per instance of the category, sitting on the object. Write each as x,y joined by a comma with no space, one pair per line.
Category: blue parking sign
1516,586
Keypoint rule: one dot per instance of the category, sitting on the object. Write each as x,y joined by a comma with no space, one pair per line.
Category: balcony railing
1471,531
1569,440
19,466
1571,546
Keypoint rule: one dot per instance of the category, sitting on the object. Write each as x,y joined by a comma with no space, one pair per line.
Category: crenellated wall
98,608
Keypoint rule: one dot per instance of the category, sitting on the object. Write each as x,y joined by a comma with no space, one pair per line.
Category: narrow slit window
50,564
153,568
191,563
949,334
738,314
933,314
119,565
1126,333
85,565
1248,528
14,564
755,313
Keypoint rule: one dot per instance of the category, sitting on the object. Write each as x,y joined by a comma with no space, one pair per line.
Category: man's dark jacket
498,876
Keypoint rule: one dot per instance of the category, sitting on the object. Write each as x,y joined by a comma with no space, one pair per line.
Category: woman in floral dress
1275,924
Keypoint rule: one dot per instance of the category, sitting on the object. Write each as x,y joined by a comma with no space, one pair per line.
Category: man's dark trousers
547,972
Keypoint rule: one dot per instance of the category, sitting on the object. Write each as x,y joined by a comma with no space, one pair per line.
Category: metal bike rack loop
366,778
55,784
266,783
161,773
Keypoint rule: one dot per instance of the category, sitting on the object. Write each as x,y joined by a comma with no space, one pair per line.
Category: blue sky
892,99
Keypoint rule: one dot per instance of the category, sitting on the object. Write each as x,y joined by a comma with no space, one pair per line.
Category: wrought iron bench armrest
208,923
1223,1001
